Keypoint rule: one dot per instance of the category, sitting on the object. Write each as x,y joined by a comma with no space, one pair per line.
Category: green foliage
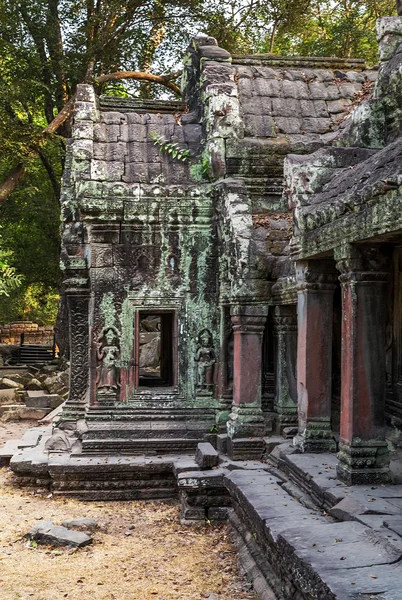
175,151
345,29
10,280
30,233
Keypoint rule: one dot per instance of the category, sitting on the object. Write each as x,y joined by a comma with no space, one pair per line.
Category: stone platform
301,534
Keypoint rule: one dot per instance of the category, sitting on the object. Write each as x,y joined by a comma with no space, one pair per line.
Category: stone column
245,426
285,331
78,305
316,286
363,454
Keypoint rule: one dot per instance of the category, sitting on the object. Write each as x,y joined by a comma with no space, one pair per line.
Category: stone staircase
147,431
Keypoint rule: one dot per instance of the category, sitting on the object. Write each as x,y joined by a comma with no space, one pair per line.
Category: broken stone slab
31,438
83,524
350,508
206,456
7,452
289,432
46,532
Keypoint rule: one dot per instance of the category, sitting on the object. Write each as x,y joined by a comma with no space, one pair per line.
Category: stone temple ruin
249,291
179,275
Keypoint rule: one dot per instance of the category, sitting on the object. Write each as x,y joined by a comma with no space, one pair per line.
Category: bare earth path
141,552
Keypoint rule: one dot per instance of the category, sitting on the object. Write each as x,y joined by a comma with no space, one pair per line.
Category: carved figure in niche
107,353
206,358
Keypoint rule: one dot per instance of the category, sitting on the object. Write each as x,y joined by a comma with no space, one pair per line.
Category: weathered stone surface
206,456
46,532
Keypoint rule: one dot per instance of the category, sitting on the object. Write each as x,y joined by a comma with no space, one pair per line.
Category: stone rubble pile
35,392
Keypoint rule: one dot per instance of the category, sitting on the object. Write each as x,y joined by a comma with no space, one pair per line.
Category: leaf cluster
172,148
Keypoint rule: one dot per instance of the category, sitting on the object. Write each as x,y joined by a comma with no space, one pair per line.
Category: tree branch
165,80
11,181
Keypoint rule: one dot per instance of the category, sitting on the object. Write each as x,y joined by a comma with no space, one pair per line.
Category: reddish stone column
314,354
246,423
363,454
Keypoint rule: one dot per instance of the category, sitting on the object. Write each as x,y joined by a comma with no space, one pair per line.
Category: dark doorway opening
155,349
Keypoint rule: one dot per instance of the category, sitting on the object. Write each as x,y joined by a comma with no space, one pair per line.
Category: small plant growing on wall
175,151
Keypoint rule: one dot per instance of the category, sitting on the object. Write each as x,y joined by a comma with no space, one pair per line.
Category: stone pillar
78,305
314,354
285,331
245,426
363,454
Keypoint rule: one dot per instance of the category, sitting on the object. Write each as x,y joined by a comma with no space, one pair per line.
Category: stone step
118,494
152,414
20,411
140,446
147,429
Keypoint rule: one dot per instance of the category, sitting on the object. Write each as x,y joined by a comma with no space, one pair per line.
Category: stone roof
308,100
353,192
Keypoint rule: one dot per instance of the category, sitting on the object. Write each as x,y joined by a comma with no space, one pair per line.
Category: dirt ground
140,552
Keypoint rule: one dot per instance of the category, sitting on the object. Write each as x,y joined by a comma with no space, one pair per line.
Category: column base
245,448
246,421
317,437
285,417
364,463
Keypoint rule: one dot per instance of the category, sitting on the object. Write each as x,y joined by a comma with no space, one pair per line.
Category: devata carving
206,358
107,353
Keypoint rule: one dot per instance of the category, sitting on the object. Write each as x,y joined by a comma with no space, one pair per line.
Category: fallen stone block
83,524
9,396
6,383
27,412
34,384
37,399
46,532
206,456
